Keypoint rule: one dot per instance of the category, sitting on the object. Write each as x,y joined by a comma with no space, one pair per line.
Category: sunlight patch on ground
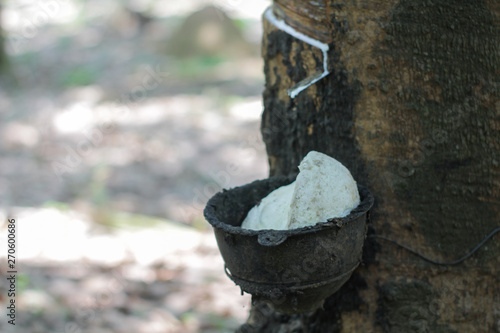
44,232
74,119
20,135
27,16
248,110
177,265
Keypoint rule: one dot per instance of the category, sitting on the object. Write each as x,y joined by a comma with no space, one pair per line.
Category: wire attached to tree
454,262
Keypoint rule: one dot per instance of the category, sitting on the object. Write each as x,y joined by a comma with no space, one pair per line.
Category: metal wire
435,262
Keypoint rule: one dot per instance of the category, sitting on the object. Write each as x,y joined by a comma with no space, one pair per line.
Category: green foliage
23,281
61,206
79,77
194,66
116,220
242,24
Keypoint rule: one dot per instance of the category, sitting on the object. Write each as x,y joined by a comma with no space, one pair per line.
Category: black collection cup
295,270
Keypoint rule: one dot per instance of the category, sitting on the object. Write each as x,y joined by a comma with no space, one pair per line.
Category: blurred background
119,120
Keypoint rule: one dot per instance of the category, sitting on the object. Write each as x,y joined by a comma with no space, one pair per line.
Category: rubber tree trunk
412,108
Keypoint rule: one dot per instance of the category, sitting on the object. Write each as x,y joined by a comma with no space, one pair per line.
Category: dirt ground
118,122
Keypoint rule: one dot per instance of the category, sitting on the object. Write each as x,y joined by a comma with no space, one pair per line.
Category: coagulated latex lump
324,189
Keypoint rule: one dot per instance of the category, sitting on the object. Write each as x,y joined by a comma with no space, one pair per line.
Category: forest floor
116,127
140,275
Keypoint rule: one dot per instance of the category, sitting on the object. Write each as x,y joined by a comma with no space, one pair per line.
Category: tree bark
3,53
412,108
5,70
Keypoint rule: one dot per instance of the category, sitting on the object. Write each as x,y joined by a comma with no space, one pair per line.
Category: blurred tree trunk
4,63
412,108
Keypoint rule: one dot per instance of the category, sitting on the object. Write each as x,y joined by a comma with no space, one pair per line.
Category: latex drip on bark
302,19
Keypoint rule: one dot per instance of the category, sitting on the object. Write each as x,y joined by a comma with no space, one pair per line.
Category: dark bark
7,77
412,108
3,53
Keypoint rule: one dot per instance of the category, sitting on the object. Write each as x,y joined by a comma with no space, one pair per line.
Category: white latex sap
324,189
